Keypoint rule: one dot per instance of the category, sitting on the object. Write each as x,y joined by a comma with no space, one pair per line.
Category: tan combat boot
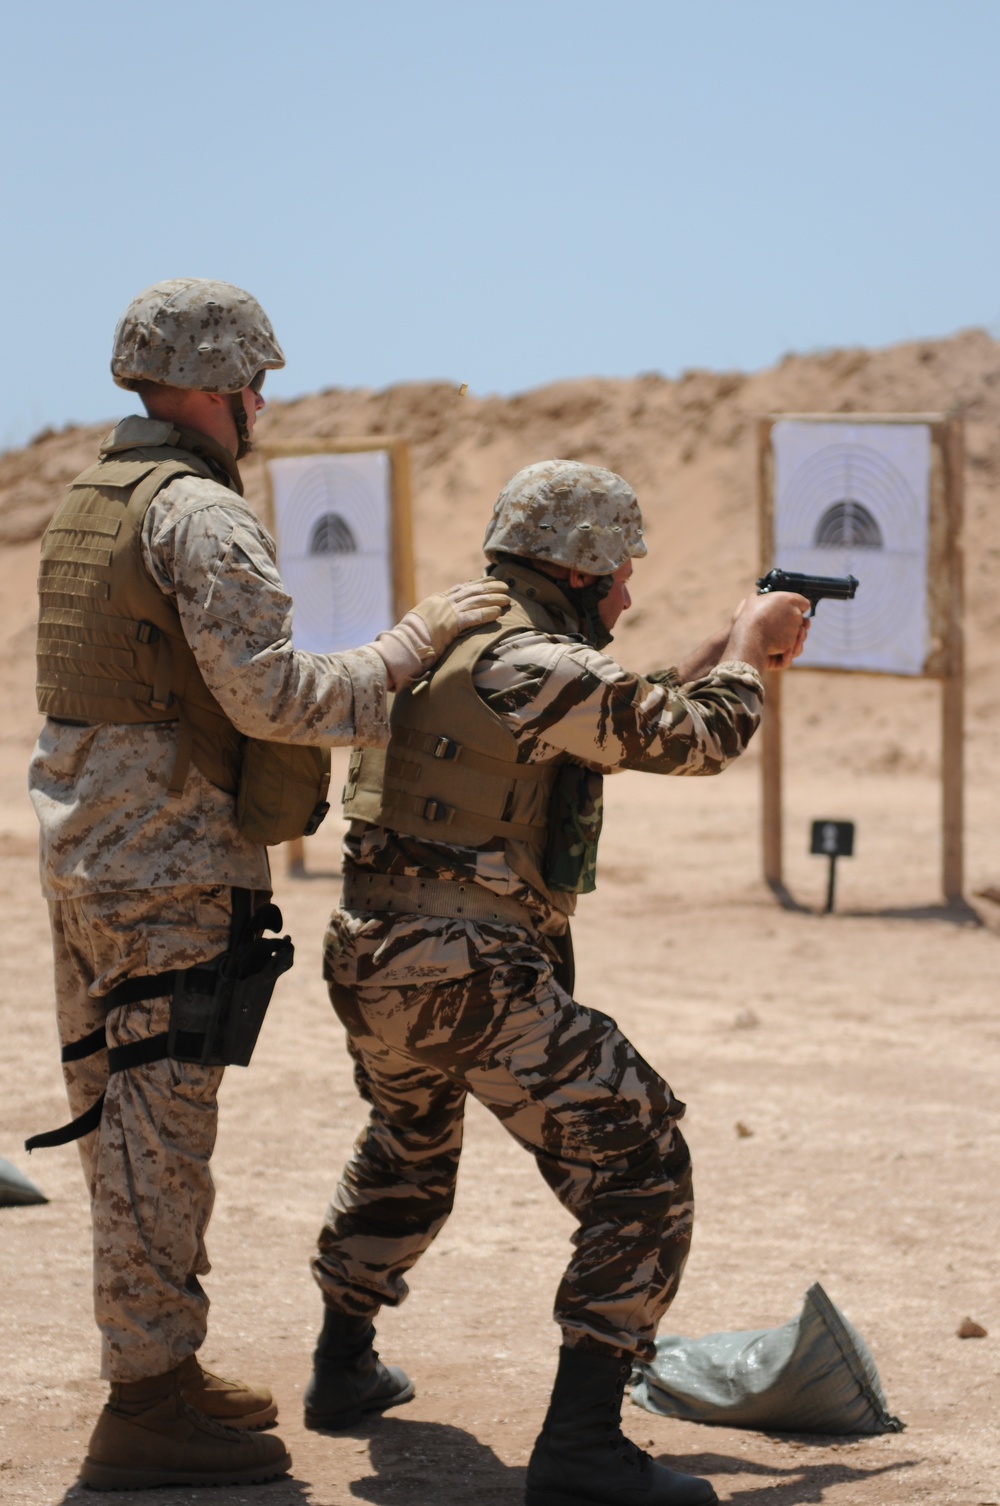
147,1435
232,1402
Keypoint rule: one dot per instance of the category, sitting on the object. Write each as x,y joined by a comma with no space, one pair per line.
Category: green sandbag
814,1375
15,1189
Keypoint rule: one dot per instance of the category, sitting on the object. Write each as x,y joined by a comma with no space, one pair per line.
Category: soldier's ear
580,578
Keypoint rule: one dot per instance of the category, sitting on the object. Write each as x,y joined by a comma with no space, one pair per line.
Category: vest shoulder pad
136,430
122,473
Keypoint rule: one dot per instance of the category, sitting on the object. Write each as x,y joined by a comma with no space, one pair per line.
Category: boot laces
209,1425
626,1450
630,1453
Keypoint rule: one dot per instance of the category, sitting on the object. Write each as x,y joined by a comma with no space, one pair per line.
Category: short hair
159,396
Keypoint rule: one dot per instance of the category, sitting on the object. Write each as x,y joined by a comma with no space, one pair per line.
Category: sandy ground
860,1049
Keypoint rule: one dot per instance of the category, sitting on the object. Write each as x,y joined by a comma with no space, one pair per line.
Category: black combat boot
348,1377
581,1456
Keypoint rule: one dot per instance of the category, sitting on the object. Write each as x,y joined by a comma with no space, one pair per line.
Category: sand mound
688,448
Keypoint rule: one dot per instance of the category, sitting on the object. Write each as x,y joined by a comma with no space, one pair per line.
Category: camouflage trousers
564,1082
146,1165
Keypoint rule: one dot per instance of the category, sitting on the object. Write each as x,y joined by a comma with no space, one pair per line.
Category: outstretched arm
768,637
705,657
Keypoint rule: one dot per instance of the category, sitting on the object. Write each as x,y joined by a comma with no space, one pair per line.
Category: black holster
218,1007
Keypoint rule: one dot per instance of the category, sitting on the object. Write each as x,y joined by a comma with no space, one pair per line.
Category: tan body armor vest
450,772
111,647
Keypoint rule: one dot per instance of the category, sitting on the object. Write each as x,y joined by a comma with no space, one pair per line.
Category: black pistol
813,587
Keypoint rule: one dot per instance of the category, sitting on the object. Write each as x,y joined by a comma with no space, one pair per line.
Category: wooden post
771,724
403,571
953,680
771,806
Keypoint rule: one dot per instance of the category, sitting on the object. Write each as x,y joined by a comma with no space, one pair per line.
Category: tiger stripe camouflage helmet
194,332
567,513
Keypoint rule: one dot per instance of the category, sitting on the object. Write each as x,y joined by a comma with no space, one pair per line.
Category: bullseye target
333,527
854,499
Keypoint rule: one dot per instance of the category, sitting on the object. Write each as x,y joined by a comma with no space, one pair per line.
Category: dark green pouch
576,811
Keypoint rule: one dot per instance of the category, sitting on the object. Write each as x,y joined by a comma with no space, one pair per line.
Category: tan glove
414,644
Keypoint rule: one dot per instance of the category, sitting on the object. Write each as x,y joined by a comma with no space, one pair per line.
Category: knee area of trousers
639,1213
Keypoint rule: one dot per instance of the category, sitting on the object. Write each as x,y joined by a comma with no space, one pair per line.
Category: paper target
333,527
854,499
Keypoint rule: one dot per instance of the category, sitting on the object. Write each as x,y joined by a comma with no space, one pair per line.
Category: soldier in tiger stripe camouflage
449,964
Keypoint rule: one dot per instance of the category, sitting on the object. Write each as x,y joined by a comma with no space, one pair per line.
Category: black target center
332,534
848,525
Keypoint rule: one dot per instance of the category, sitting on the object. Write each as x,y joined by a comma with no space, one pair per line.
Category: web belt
385,893
133,1054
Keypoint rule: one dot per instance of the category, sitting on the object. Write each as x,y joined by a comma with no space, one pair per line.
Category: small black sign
833,839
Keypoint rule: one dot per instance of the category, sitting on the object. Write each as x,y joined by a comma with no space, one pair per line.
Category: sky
503,193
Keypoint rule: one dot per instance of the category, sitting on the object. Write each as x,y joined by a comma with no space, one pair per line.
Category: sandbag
15,1189
813,1375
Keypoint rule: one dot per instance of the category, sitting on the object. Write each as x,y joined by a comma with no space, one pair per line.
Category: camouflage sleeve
557,694
208,553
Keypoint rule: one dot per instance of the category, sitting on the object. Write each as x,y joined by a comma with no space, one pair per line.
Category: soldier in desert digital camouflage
449,963
169,682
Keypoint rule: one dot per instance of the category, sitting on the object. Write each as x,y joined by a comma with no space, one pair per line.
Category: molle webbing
494,782
110,644
451,772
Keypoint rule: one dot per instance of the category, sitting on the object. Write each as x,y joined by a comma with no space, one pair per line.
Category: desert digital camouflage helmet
194,332
567,513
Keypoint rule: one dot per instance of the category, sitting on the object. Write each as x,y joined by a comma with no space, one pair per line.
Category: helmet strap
240,418
587,600
584,600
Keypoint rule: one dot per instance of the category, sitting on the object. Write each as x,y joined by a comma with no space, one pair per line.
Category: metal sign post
833,840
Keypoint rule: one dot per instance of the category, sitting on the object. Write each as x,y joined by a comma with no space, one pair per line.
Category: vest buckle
146,632
445,748
435,810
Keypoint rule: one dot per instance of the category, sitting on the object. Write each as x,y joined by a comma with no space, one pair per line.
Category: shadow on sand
417,1463
954,913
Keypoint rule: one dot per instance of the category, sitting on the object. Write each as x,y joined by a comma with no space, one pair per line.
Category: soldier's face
618,599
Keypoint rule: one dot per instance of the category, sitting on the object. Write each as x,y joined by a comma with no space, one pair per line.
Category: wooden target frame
945,659
401,558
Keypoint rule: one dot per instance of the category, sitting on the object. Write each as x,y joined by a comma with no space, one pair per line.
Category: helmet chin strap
587,600
244,445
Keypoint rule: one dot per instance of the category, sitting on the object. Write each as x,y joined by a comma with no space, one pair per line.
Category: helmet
194,332
567,513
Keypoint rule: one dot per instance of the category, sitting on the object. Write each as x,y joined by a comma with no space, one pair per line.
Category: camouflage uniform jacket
558,696
108,823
